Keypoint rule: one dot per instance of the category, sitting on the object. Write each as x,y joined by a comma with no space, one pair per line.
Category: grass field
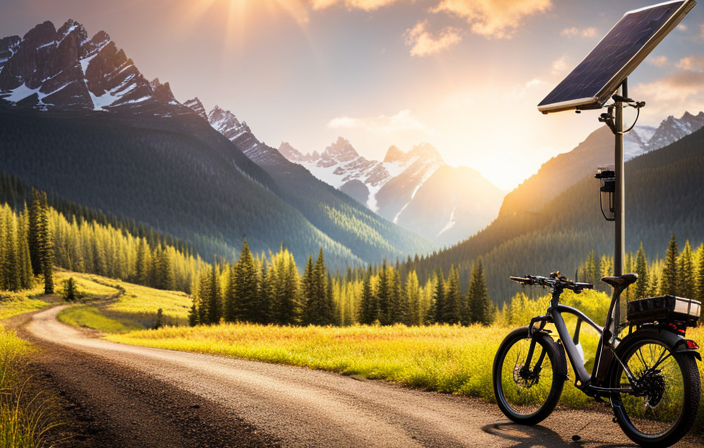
449,359
113,306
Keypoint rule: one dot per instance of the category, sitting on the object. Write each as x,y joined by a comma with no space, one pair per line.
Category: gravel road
133,396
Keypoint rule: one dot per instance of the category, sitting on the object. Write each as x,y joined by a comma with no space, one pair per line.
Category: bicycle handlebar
552,282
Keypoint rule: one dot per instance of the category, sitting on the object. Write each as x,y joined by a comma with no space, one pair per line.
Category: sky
462,75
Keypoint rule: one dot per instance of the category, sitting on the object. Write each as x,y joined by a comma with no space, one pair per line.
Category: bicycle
645,367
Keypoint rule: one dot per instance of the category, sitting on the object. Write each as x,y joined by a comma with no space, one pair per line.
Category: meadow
113,306
443,358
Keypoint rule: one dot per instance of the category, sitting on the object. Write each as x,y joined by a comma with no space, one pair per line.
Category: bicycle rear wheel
663,406
527,392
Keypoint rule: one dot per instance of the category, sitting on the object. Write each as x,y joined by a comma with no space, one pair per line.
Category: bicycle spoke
661,360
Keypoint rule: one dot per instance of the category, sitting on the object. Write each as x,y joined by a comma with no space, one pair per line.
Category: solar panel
596,78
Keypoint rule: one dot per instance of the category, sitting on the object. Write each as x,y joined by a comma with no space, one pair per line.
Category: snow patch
450,224
85,61
104,100
23,92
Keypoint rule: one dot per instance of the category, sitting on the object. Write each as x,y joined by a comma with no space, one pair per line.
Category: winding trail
245,403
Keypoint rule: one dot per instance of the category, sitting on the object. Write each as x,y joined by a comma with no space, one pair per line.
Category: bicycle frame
605,349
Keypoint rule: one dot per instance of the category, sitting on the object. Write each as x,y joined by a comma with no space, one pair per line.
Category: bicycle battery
664,310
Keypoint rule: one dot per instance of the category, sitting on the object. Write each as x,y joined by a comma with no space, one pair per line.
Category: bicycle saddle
620,281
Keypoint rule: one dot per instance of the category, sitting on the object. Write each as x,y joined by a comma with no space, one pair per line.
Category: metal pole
620,196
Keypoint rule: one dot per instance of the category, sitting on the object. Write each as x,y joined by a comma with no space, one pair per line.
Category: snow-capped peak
65,70
226,123
643,139
196,106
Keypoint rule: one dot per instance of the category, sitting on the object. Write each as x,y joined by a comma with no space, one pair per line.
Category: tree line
37,238
268,289
680,273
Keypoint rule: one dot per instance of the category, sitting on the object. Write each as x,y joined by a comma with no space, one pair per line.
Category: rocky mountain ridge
643,139
64,69
414,189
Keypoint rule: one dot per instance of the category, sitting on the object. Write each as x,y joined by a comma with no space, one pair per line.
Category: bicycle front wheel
527,390
663,403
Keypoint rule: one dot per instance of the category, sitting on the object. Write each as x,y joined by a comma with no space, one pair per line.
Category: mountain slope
366,234
664,190
79,120
564,170
397,188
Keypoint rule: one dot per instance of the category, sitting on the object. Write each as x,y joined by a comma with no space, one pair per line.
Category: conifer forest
272,288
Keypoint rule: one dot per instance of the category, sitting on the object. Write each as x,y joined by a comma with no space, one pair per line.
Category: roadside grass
15,303
24,420
90,317
114,306
443,358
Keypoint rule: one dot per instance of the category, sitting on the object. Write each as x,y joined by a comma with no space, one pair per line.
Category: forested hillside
175,174
664,191
342,218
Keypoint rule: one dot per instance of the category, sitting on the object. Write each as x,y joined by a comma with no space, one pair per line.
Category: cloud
575,32
560,66
692,63
682,27
424,43
701,28
659,61
382,124
674,93
494,18
489,18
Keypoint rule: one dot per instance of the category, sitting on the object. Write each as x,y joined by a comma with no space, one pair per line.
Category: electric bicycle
644,365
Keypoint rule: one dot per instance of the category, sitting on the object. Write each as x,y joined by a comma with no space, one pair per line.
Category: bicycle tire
676,389
546,396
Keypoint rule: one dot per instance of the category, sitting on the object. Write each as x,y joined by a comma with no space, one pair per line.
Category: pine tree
214,298
264,308
481,307
415,316
668,282
70,290
700,275
204,283
308,292
230,308
25,261
439,299
397,306
193,315
643,282
34,243
9,263
367,305
383,295
317,309
46,245
246,286
143,262
590,269
452,312
686,276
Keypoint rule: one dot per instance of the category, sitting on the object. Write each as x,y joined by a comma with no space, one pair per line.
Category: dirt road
142,397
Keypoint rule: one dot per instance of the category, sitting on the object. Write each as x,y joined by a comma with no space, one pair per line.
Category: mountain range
552,220
416,189
78,119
